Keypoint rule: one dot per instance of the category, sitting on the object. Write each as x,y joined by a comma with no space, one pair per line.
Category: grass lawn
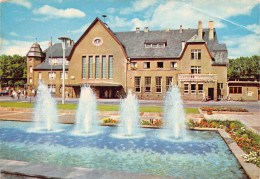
100,107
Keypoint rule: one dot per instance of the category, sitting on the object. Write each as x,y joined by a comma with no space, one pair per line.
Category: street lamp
64,46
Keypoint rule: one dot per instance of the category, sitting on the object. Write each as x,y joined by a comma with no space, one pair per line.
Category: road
251,106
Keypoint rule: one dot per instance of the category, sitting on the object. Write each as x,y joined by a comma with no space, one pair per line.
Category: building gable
96,21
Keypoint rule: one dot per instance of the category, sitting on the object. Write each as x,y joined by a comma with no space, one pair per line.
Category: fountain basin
204,154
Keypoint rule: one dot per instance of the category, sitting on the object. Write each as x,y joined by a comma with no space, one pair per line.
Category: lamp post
64,46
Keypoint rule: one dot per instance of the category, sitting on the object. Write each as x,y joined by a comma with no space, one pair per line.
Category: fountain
129,126
173,115
86,115
45,111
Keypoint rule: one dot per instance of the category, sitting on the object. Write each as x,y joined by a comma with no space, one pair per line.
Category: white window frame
168,86
97,67
200,91
66,75
186,91
30,80
191,90
30,69
197,69
145,65
148,85
52,75
158,86
174,65
196,54
137,85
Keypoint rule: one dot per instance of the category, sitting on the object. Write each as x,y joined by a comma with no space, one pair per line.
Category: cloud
12,47
24,3
188,12
254,27
14,34
53,12
138,5
80,30
242,45
110,10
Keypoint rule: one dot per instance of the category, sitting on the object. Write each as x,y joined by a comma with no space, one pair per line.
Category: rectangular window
235,90
84,67
195,54
174,65
104,67
97,67
110,65
52,88
133,65
158,84
40,75
220,85
196,69
31,69
186,88
147,84
200,88
159,64
30,80
168,83
137,84
52,75
66,75
193,88
90,67
146,65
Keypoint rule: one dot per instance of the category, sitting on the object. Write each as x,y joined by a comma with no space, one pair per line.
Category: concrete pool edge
26,169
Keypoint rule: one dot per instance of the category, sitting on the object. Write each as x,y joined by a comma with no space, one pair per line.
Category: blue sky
22,21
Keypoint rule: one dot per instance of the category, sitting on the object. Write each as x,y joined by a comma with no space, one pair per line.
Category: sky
25,21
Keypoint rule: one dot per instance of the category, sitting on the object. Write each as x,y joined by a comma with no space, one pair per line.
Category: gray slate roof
134,44
54,51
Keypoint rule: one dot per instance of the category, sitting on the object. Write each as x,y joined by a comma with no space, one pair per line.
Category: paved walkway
252,120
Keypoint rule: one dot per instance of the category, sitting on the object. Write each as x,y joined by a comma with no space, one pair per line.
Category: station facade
146,62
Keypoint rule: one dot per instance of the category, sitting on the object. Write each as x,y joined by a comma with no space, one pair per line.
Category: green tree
244,67
13,67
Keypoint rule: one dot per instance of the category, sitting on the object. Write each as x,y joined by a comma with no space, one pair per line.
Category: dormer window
155,43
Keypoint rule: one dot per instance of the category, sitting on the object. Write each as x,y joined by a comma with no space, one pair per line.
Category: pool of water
202,155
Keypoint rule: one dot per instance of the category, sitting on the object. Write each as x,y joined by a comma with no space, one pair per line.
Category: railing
197,77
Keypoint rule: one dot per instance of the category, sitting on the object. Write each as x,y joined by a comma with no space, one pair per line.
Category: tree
12,69
244,67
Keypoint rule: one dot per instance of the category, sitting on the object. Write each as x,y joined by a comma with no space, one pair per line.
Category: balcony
197,77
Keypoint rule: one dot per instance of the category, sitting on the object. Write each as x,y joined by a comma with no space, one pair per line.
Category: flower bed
246,139
224,108
109,120
152,122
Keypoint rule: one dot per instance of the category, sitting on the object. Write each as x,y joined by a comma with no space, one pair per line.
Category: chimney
146,29
50,44
211,30
180,28
182,45
167,29
137,30
200,30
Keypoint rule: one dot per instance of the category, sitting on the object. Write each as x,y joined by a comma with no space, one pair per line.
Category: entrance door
210,93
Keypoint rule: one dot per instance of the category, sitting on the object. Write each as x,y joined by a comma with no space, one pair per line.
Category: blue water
202,155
